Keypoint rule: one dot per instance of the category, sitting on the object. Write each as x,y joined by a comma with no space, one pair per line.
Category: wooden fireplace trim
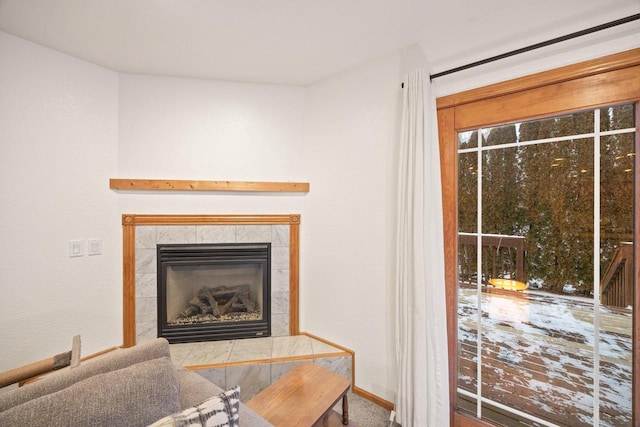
130,221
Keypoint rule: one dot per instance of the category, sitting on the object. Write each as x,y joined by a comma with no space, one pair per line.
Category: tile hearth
254,363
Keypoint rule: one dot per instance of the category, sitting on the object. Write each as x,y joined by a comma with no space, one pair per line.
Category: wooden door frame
609,80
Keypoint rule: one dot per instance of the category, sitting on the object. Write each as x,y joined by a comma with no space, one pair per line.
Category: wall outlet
76,248
95,247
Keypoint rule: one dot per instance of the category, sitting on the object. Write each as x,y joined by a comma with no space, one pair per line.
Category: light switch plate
76,248
94,247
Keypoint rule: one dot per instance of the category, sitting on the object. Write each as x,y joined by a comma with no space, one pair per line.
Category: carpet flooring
365,413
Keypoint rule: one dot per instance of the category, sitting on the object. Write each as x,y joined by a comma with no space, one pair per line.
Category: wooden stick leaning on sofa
68,358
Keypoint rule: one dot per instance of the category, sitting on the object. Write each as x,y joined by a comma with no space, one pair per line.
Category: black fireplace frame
213,254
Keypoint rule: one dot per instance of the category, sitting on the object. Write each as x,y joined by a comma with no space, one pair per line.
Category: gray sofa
126,387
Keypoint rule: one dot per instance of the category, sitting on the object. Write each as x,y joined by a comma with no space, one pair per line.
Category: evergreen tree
616,182
468,186
545,192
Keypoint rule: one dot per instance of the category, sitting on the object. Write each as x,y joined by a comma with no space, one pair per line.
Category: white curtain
421,330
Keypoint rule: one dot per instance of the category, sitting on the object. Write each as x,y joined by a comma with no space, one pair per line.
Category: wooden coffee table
304,397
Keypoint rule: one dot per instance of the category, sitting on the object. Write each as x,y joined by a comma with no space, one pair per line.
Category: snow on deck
538,355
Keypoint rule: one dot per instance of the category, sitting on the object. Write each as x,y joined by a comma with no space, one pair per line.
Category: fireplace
141,233
209,292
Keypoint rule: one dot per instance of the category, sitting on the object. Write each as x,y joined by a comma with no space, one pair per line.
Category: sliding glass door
545,269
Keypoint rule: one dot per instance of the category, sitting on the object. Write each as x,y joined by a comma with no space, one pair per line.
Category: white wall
349,222
58,141
196,129
177,128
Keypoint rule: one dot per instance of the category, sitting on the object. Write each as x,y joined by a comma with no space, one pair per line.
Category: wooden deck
538,355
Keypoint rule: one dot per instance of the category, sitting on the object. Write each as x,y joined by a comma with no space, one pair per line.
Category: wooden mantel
187,185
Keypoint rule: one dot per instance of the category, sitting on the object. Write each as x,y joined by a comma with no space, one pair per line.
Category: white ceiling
293,42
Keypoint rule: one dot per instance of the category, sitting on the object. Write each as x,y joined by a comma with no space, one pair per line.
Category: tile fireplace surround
141,234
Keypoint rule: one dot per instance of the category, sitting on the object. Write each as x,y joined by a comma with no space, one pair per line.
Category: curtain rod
538,45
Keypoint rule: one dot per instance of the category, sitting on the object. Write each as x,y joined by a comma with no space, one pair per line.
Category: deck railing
617,282
502,256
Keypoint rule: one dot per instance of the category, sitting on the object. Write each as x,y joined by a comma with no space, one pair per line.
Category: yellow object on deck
509,284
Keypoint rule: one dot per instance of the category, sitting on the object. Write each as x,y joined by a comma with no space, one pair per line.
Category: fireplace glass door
209,292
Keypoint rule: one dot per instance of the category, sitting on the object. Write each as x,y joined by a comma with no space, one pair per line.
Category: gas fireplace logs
218,302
